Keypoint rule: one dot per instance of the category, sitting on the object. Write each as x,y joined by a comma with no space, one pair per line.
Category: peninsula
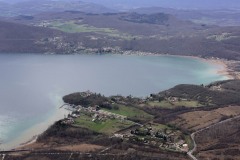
170,124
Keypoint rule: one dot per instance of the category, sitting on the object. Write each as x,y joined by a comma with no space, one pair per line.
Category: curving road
190,153
3,156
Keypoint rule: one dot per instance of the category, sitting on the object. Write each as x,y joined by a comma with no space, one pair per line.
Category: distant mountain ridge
32,7
177,4
211,14
227,17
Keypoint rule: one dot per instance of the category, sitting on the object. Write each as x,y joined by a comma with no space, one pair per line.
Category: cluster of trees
159,18
91,100
65,133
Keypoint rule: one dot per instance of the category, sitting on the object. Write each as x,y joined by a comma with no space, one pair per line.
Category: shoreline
226,70
31,141
227,65
30,136
224,64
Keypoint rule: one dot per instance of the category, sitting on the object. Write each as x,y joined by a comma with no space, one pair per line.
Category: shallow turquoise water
29,84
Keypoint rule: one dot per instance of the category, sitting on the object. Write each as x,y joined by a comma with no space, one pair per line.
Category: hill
219,17
218,93
120,32
183,4
32,7
22,38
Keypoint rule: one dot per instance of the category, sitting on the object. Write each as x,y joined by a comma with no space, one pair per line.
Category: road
190,153
12,152
3,156
70,156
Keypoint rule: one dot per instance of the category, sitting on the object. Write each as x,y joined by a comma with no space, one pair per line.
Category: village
149,134
98,114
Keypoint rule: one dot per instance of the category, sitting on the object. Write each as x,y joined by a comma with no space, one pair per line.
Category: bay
31,86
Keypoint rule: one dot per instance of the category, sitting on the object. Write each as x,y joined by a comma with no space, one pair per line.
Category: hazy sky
182,4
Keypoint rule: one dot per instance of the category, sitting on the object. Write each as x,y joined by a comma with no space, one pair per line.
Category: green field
108,126
72,27
167,104
157,126
130,112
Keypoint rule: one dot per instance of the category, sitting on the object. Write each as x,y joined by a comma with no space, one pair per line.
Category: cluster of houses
86,94
148,131
44,24
101,115
180,146
151,136
216,88
98,115
67,120
171,99
175,99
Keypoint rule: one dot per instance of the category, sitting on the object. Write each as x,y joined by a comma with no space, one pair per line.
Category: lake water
31,86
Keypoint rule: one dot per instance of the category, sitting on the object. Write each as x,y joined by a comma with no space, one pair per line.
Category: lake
31,86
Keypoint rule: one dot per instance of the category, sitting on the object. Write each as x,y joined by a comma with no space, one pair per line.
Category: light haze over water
31,86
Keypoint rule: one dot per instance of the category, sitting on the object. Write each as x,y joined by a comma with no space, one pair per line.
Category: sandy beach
227,66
